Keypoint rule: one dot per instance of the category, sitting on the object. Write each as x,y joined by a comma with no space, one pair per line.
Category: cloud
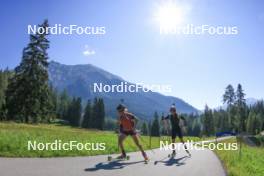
88,51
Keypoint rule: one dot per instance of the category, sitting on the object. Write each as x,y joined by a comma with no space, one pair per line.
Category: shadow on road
111,165
173,161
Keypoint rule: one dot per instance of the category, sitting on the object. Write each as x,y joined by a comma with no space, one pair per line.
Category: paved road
202,162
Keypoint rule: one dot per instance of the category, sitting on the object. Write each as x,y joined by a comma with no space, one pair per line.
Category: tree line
234,116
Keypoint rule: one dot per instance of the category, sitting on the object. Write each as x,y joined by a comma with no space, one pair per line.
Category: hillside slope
78,80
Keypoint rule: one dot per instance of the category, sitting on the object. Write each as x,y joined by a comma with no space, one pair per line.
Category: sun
170,15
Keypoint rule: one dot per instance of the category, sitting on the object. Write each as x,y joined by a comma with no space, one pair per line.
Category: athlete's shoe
146,159
121,157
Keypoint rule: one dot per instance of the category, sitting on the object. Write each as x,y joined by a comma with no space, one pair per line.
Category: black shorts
176,132
128,133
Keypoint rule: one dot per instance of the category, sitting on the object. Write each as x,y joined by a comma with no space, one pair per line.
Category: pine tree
149,128
70,111
258,123
98,114
144,128
231,117
101,114
155,128
78,111
250,123
229,98
208,122
240,109
259,109
241,101
28,98
4,76
54,102
87,118
110,124
95,110
226,124
75,112
63,105
196,128
229,95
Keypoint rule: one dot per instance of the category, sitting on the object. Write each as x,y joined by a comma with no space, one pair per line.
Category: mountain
78,80
251,101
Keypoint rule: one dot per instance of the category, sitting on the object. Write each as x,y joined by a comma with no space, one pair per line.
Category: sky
197,67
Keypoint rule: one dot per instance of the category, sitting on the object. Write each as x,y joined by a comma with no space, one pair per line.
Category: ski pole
143,141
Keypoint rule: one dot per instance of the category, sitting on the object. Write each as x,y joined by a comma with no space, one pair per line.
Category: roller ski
119,158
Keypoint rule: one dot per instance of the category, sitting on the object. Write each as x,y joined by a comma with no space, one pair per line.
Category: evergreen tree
149,128
229,98
101,114
240,109
229,95
240,101
250,122
87,118
231,113
95,112
98,114
28,98
227,121
2,96
218,120
54,102
196,128
63,105
75,112
208,122
144,128
110,124
258,123
4,76
155,128
259,109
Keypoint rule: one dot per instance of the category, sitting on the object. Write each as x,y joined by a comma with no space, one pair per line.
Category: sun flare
170,15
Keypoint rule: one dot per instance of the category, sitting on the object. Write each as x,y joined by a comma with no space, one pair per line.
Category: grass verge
249,163
14,139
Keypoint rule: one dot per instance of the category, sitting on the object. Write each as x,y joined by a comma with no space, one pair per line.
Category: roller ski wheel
110,158
123,157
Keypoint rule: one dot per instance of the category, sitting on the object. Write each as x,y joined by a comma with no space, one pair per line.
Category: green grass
251,162
14,139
